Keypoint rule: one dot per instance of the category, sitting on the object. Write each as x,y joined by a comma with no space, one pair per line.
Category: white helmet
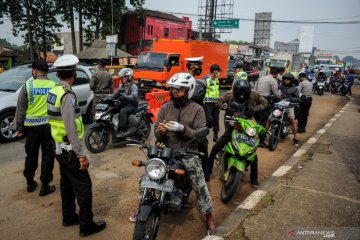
183,80
126,72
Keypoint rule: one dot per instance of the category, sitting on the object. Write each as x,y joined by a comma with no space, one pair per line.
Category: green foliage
238,42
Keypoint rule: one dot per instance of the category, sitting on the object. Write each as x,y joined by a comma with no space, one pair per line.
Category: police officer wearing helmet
176,125
212,95
128,95
250,102
239,72
31,118
305,89
67,130
289,91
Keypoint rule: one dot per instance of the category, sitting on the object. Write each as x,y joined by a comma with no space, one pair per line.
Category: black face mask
179,102
197,71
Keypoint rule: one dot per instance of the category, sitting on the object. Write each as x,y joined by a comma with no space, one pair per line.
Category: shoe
216,138
73,221
31,186
255,184
296,142
92,228
46,190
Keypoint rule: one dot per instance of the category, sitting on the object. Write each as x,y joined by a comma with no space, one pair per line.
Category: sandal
133,218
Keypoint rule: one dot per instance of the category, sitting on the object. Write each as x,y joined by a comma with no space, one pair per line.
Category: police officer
305,89
239,72
31,118
212,95
194,65
101,83
267,86
67,130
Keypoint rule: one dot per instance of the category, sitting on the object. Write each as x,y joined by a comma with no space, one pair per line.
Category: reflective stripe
210,99
35,121
31,92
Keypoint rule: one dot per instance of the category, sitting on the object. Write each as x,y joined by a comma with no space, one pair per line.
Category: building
290,47
66,44
141,27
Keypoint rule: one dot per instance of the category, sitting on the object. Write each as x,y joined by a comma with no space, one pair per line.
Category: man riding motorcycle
176,125
250,102
128,94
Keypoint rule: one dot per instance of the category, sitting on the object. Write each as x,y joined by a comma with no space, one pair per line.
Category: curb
242,211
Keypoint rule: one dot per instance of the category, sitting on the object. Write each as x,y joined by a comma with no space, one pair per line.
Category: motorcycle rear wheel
147,230
228,189
144,130
96,140
274,139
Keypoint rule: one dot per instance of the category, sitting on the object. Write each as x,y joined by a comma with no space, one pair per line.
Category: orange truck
154,68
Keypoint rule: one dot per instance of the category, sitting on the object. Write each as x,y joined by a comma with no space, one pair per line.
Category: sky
342,40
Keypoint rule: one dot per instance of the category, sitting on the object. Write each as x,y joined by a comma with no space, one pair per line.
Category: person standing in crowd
67,130
31,119
305,89
350,80
101,84
239,72
212,95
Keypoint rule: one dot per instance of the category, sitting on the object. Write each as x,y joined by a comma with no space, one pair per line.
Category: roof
97,50
50,58
156,14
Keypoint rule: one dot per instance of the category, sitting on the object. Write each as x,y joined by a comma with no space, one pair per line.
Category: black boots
46,189
92,228
31,185
216,137
74,220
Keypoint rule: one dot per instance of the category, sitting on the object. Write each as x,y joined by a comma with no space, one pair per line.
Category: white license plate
164,186
246,139
101,106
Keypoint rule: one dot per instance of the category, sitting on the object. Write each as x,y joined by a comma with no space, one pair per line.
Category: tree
66,9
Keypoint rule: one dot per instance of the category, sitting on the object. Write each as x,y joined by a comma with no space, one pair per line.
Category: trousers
215,112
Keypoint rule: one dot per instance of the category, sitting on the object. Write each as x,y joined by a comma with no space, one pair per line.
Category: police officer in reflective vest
67,130
212,95
31,118
239,72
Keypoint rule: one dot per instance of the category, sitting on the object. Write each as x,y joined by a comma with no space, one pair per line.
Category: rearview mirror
202,132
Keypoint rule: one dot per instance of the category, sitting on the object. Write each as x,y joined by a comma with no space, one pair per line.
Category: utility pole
29,30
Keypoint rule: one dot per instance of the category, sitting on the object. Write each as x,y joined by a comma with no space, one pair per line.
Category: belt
61,146
102,91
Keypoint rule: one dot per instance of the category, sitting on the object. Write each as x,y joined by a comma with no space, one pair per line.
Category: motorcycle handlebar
195,153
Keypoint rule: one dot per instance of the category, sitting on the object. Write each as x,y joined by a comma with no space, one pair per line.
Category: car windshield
231,67
12,79
151,61
277,63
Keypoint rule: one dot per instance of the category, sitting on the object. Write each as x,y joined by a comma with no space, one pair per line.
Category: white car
13,79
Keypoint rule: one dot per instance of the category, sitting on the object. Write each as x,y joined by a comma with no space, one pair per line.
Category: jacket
289,92
191,115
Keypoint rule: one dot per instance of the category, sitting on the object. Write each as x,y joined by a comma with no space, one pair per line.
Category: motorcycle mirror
202,132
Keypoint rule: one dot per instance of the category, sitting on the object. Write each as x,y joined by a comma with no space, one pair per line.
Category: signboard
111,39
226,23
110,49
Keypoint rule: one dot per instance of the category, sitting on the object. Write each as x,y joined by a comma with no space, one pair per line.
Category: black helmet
302,74
200,91
288,76
239,65
241,90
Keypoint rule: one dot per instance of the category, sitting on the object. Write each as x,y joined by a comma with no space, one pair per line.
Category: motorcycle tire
274,139
344,91
320,92
144,130
332,90
93,144
227,192
147,229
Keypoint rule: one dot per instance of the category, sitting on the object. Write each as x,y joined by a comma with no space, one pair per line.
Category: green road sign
226,23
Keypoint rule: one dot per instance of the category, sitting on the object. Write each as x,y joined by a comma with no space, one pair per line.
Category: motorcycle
165,186
319,87
280,125
339,86
105,127
239,153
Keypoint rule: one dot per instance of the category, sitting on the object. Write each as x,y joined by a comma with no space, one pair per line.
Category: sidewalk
320,197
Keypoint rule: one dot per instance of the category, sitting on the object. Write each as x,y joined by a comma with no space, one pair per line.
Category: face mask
217,75
178,102
197,71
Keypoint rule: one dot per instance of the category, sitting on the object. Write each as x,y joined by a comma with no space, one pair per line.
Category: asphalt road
116,192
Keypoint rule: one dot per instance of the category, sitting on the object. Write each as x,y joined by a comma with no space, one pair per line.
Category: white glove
173,126
223,106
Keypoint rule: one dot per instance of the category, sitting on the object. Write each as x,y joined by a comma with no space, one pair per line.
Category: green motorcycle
239,153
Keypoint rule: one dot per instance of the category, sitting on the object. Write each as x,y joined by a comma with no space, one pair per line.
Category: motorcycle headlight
98,115
156,168
250,131
277,113
106,117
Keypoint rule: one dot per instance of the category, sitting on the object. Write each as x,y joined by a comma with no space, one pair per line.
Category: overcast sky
340,39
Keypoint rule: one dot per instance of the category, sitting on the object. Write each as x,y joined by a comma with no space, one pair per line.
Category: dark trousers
36,137
215,112
203,147
302,114
75,183
219,145
124,113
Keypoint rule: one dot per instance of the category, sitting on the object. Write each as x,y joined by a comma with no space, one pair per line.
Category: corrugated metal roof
98,50
157,14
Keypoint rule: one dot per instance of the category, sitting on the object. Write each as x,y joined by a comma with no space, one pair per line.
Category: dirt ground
115,190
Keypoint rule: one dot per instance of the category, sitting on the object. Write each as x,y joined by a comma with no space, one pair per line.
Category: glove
173,126
160,144
121,98
223,106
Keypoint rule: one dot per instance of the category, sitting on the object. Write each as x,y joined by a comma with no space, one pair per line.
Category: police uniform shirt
305,87
68,114
267,86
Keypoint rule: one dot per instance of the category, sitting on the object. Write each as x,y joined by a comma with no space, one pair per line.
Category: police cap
40,65
195,59
66,62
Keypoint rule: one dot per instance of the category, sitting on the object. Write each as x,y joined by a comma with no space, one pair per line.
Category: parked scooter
339,86
105,127
165,186
280,125
239,153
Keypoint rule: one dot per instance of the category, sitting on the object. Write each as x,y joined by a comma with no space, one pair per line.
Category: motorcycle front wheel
320,92
274,139
230,186
96,140
147,230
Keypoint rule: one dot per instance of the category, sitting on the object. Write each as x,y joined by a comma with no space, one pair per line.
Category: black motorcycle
105,128
339,86
165,186
279,120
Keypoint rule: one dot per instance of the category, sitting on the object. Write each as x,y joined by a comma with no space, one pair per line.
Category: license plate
164,186
246,139
101,106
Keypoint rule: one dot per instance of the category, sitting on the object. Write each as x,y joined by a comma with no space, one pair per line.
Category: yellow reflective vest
212,90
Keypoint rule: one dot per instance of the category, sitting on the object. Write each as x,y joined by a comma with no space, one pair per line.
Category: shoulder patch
51,98
72,100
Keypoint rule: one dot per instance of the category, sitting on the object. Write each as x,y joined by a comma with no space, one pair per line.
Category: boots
92,228
46,189
31,185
